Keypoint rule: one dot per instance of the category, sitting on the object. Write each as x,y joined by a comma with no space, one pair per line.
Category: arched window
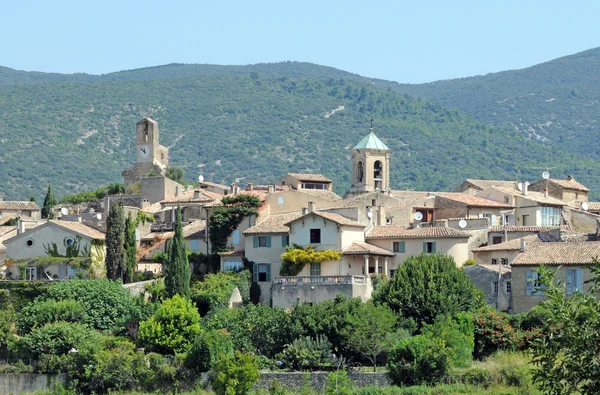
378,174
359,172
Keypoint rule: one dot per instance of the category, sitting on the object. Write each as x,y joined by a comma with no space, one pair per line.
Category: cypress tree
177,270
49,202
115,241
130,249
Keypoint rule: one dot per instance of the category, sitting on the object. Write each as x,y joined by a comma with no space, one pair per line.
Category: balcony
287,291
320,280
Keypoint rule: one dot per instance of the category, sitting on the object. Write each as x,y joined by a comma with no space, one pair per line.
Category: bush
172,328
235,375
418,360
107,304
215,291
537,317
338,383
493,332
206,349
474,376
57,338
306,353
459,345
41,312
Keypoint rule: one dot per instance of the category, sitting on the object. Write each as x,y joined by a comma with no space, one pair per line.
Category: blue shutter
255,242
284,240
268,241
529,285
579,280
235,237
194,245
433,247
255,271
268,272
402,247
570,282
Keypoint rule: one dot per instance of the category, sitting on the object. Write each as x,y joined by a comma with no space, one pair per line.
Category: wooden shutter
255,241
235,237
402,246
570,282
255,270
425,247
529,278
579,280
268,241
269,270
433,247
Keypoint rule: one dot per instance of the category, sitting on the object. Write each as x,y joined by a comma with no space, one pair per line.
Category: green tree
426,286
130,250
418,360
32,199
177,270
567,356
372,332
175,173
115,242
49,202
235,375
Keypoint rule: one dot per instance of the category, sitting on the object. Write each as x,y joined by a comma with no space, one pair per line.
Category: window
280,200
69,242
388,220
313,185
525,220
315,236
504,261
506,199
494,261
373,202
533,284
496,239
235,237
315,269
29,243
392,273
262,241
429,247
31,273
399,246
285,240
495,287
550,216
508,287
574,281
261,272
233,265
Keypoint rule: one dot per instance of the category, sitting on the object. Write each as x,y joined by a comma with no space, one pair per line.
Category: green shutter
433,247
255,270
268,241
402,246
255,241
283,244
268,272
425,247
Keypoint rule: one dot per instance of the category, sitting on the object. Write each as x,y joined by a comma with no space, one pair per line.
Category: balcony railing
320,280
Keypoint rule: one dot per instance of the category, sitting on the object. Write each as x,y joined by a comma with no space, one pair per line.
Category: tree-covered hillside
77,132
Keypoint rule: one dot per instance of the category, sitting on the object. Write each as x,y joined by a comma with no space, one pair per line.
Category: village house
459,205
567,190
472,187
495,282
18,209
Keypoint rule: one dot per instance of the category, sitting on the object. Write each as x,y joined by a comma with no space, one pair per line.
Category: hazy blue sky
405,41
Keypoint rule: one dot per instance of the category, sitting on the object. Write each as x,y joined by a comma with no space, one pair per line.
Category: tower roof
371,142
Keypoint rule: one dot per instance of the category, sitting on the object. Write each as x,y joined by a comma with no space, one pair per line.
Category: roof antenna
371,124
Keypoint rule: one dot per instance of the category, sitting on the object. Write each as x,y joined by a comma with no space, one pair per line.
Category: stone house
21,209
567,190
472,187
571,260
502,253
460,205
214,187
495,282
298,181
500,234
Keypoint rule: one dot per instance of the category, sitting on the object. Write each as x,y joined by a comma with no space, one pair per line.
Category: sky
403,41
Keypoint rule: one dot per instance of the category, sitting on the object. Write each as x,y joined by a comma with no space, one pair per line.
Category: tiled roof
569,184
474,201
371,142
338,219
80,228
18,205
6,229
274,223
393,232
196,229
357,248
559,253
188,197
309,177
412,194
497,229
592,206
214,184
575,238
510,245
503,268
4,220
534,196
483,184
595,206
152,208
321,193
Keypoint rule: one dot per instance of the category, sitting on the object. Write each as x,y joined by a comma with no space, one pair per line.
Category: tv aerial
418,215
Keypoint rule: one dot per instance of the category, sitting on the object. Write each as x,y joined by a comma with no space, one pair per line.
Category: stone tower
151,157
370,166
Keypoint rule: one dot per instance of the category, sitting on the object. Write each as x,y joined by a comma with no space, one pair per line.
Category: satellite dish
585,206
545,175
64,211
520,186
462,224
370,215
98,216
418,215
200,178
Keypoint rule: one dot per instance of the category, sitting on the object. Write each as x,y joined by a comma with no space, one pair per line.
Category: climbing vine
227,217
294,259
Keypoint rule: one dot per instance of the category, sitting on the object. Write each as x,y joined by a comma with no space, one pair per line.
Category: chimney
570,178
1,198
523,245
177,191
145,203
196,194
303,210
311,207
525,186
20,227
381,216
271,189
173,214
79,218
249,186
234,189
546,192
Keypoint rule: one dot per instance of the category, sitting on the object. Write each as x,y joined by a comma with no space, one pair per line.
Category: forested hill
254,123
557,102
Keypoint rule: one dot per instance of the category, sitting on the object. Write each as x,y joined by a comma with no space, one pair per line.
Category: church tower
151,157
370,165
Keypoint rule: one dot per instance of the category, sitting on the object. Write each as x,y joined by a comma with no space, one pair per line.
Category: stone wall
138,288
295,381
29,382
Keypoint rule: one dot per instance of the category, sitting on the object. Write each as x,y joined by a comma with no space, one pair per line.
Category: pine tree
49,202
177,270
130,250
115,241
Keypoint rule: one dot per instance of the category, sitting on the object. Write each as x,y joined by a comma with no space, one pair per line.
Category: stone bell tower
370,165
151,157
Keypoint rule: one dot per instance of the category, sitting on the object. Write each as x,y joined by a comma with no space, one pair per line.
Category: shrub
338,383
459,345
475,376
41,312
306,353
418,360
537,317
172,328
215,291
206,349
107,304
235,375
493,332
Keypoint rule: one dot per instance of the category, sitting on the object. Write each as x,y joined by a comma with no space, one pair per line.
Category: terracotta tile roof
577,238
337,218
494,268
18,205
214,184
569,184
592,206
6,229
595,206
194,230
474,201
309,177
483,184
320,193
510,245
497,229
357,248
152,208
80,228
188,197
274,223
4,220
534,196
393,232
412,194
559,253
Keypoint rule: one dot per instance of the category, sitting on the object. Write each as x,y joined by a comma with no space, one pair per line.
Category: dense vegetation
254,123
